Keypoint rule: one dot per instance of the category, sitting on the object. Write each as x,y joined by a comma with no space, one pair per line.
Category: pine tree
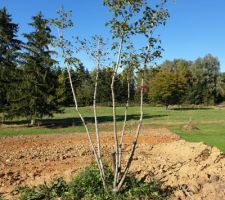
84,86
37,91
9,54
60,84
105,77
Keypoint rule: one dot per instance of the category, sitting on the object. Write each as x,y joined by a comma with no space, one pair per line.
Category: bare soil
194,170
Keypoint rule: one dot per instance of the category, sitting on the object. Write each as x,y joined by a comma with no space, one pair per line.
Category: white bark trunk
87,131
124,126
95,116
114,113
130,159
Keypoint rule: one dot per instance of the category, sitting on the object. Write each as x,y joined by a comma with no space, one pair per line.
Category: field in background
210,122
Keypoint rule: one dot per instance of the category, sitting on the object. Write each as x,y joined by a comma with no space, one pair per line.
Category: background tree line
33,84
185,82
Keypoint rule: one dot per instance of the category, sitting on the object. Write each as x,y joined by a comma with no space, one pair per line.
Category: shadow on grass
183,109
67,122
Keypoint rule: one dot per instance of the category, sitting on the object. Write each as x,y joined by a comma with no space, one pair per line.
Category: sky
194,29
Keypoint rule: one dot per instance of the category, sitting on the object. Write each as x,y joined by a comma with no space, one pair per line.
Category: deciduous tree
167,87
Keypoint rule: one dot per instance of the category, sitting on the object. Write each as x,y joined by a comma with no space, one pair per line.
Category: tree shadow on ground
183,109
67,122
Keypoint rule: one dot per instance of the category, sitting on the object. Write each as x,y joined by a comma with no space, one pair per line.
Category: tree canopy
9,55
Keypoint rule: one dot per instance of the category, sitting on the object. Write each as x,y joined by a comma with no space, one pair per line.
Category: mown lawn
210,122
211,134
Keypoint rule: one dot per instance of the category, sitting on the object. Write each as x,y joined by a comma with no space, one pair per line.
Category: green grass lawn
210,121
211,134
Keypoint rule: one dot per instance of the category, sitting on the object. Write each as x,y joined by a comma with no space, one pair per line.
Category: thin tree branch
114,113
124,125
86,128
130,159
95,113
99,163
94,106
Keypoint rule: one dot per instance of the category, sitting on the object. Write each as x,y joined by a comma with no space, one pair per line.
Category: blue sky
195,28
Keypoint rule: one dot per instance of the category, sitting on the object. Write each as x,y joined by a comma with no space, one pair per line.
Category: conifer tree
60,85
37,92
9,54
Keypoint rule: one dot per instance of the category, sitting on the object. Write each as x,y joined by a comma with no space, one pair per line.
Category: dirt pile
195,170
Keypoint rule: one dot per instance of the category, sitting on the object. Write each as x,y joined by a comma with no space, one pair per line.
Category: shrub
88,185
44,192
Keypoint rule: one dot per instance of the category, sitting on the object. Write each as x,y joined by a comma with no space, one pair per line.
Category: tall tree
9,54
60,84
37,89
167,87
182,68
105,76
206,83
83,85
221,88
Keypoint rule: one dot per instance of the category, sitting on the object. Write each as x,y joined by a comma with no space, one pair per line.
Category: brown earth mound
195,170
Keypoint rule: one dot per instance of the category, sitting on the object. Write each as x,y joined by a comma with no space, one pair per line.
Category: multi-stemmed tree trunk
123,26
96,154
116,144
62,23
